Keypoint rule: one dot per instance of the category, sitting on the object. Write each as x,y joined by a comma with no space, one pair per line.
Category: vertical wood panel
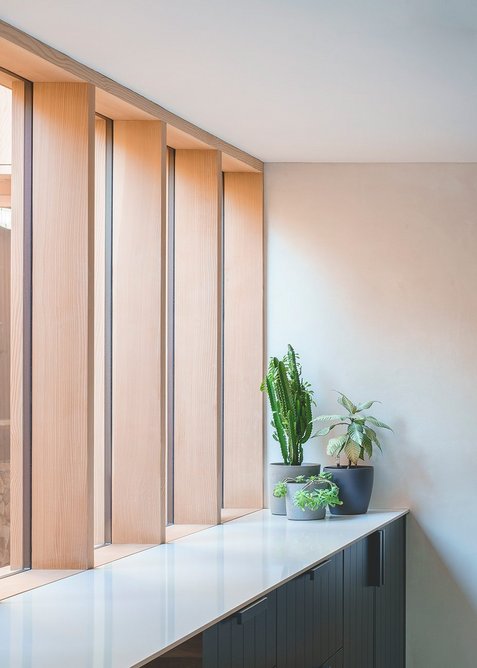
243,340
20,385
62,310
197,447
99,330
138,339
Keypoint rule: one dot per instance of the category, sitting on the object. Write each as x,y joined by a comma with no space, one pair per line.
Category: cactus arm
287,393
293,366
293,442
309,424
277,423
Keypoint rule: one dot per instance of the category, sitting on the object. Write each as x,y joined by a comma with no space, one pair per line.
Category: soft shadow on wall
371,275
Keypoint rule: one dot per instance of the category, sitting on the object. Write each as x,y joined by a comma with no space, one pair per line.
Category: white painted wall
372,275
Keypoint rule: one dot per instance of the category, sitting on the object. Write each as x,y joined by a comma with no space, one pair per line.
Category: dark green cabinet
244,640
345,612
374,599
310,616
390,599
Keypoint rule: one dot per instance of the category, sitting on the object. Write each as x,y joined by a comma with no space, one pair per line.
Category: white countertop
127,612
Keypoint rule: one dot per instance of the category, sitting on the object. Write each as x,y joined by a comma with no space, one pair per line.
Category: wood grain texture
20,387
138,338
243,340
197,480
29,56
62,334
99,329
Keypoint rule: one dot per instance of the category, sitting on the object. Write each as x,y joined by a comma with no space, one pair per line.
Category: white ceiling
288,80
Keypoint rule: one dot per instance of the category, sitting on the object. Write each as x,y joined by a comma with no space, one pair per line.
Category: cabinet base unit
374,599
347,611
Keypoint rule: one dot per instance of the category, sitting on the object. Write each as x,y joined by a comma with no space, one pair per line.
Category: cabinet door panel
245,640
358,599
327,608
390,599
294,628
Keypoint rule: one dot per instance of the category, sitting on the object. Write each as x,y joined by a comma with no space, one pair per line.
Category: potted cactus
355,482
308,498
290,400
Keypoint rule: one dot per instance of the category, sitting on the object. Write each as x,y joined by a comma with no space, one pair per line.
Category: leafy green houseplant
291,400
308,498
357,442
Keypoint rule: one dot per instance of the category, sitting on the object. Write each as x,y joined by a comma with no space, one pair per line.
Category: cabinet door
390,597
374,599
310,616
326,609
358,598
245,640
294,623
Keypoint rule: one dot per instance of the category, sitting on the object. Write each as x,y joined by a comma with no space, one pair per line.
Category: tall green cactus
290,400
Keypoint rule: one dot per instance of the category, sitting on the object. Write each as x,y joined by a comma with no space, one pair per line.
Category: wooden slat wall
99,322
62,335
197,480
138,340
243,340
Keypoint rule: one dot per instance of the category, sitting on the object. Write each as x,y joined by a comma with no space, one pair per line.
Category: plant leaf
352,450
326,418
356,433
366,405
324,431
377,422
347,403
336,445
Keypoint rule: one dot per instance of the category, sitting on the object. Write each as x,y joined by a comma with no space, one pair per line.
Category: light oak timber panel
99,331
138,341
20,425
197,448
62,325
243,340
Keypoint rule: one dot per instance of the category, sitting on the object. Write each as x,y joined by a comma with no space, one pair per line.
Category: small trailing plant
290,399
359,439
309,497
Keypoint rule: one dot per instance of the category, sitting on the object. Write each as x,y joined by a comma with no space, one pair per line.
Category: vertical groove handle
376,557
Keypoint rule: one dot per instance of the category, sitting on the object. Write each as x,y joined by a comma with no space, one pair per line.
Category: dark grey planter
279,471
294,513
355,485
